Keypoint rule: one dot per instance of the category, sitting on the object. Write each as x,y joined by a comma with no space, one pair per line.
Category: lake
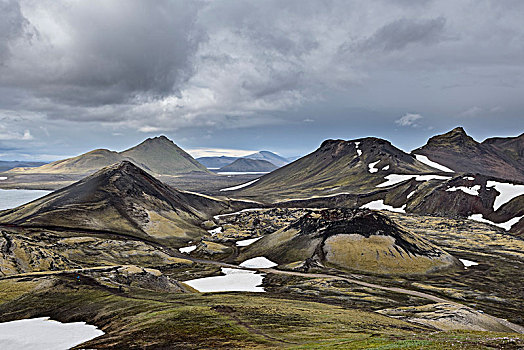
13,198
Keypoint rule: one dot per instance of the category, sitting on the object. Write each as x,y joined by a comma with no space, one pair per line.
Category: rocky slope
249,165
124,199
158,155
498,157
356,240
338,166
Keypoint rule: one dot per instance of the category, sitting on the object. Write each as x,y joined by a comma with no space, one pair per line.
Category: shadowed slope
120,198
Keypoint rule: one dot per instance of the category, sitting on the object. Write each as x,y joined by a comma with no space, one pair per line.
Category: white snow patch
427,161
235,280
386,167
242,172
43,333
258,263
468,263
246,242
393,179
379,205
216,217
239,186
507,191
505,225
359,152
3,178
411,194
187,250
474,191
470,178
372,168
215,231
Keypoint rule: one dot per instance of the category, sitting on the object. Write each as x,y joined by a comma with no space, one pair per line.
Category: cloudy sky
239,75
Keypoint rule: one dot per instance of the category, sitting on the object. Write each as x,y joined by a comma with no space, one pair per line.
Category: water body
13,198
43,334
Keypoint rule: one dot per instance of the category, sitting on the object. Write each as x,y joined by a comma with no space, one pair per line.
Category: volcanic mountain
158,155
219,162
498,157
338,166
360,240
249,165
122,199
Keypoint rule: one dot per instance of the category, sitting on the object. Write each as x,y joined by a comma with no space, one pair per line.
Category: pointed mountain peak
454,138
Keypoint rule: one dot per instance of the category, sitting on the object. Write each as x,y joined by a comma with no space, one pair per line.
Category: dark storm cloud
13,26
403,32
138,67
106,52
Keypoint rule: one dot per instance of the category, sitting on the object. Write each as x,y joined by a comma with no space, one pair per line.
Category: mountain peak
453,138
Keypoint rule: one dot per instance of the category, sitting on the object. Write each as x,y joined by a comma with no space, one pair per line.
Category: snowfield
359,152
246,242
505,225
372,168
474,191
259,263
427,161
43,333
468,263
235,280
393,179
215,231
507,191
239,186
379,205
187,250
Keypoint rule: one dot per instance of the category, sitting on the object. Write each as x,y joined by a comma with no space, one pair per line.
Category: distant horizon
217,152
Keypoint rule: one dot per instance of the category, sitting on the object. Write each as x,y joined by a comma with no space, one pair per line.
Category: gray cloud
209,67
400,33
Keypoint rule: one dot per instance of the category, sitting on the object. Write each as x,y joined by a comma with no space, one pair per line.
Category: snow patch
235,280
379,205
258,263
187,250
474,191
470,178
217,217
386,167
3,178
393,179
468,263
359,152
43,333
246,242
411,194
505,225
372,168
239,186
242,172
215,231
507,191
427,161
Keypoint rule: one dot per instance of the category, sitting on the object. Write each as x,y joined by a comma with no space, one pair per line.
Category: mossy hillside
357,240
150,320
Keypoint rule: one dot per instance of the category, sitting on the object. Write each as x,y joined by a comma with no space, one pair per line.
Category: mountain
355,240
249,165
216,162
158,155
161,156
10,164
498,157
270,157
337,166
219,162
122,199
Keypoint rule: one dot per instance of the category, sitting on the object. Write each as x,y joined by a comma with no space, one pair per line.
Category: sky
228,77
